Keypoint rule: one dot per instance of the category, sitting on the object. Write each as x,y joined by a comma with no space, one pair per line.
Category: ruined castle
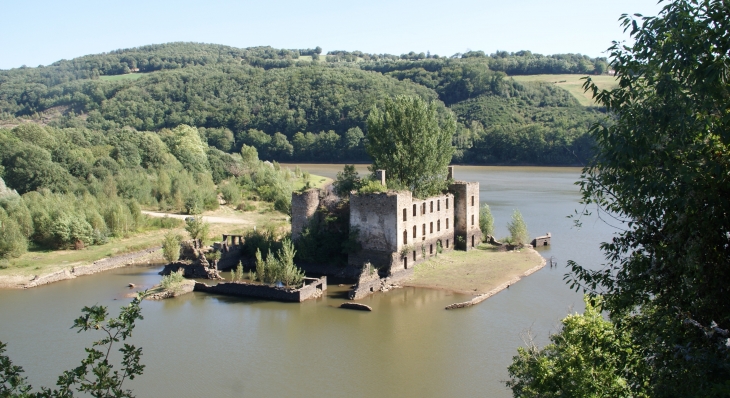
396,230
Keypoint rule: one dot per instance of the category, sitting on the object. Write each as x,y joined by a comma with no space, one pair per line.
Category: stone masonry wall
422,225
309,291
466,212
372,216
303,206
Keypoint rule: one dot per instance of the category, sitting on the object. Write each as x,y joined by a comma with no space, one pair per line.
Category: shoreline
104,264
482,297
442,277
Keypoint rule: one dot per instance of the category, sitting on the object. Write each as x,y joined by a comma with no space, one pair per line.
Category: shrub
231,192
197,228
279,267
173,280
372,186
12,241
486,221
518,229
171,246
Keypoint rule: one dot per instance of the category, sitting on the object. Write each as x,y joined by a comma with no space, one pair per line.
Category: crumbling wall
466,213
303,206
313,289
372,215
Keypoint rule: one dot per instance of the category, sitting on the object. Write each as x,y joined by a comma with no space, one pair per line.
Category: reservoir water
409,346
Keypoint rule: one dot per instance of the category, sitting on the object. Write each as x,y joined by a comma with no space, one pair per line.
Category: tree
486,221
406,138
96,375
346,181
197,228
517,229
661,173
589,357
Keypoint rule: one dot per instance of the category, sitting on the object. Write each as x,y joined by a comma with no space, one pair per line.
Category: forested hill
299,105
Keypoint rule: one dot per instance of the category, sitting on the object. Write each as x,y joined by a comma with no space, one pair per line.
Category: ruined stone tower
303,206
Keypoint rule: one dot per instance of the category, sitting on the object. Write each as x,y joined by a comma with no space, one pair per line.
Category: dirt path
208,219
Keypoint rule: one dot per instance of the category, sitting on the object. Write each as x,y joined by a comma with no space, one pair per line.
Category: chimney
450,176
380,175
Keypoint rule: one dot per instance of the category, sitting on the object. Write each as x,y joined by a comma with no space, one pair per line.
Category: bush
171,246
12,241
372,186
518,229
231,193
486,221
172,280
279,267
197,228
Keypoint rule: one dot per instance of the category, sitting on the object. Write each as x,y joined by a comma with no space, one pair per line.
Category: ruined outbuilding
397,231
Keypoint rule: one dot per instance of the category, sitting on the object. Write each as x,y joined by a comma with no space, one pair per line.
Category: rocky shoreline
105,264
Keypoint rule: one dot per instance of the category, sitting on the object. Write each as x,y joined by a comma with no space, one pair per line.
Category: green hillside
293,109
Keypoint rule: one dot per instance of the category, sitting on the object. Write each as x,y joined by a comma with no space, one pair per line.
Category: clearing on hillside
128,76
572,83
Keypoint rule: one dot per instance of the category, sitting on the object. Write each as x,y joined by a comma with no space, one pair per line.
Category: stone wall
372,215
466,212
192,270
95,267
423,224
313,288
303,206
369,283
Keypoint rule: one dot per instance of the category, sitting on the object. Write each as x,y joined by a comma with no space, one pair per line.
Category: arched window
424,230
405,237
414,232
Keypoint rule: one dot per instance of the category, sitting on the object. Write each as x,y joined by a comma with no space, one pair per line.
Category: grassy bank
474,272
572,83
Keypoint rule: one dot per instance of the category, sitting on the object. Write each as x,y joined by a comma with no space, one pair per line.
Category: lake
206,345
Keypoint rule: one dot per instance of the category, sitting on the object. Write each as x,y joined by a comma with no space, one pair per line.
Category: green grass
47,261
317,182
128,76
572,83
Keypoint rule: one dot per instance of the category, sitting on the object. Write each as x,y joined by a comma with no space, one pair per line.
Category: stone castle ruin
397,231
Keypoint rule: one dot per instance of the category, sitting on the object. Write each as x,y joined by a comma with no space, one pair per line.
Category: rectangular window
414,232
423,208
438,225
424,230
447,243
447,223
447,203
430,249
472,200
414,255
438,205
405,215
431,228
405,237
472,219
431,206
414,210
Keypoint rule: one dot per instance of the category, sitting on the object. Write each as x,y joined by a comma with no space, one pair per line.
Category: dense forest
295,105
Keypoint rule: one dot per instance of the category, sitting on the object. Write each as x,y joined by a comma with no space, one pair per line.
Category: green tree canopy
662,171
407,139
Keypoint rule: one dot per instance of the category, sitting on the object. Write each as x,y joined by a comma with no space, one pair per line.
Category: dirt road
208,219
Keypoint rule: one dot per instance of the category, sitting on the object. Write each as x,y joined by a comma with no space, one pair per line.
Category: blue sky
40,32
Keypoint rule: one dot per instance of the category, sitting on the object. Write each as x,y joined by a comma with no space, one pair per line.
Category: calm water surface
206,345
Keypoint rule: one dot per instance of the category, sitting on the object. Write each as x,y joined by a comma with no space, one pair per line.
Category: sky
36,32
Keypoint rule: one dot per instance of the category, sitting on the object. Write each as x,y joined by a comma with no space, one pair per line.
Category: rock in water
356,306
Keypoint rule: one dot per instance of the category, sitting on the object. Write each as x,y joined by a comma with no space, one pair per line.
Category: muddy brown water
207,345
